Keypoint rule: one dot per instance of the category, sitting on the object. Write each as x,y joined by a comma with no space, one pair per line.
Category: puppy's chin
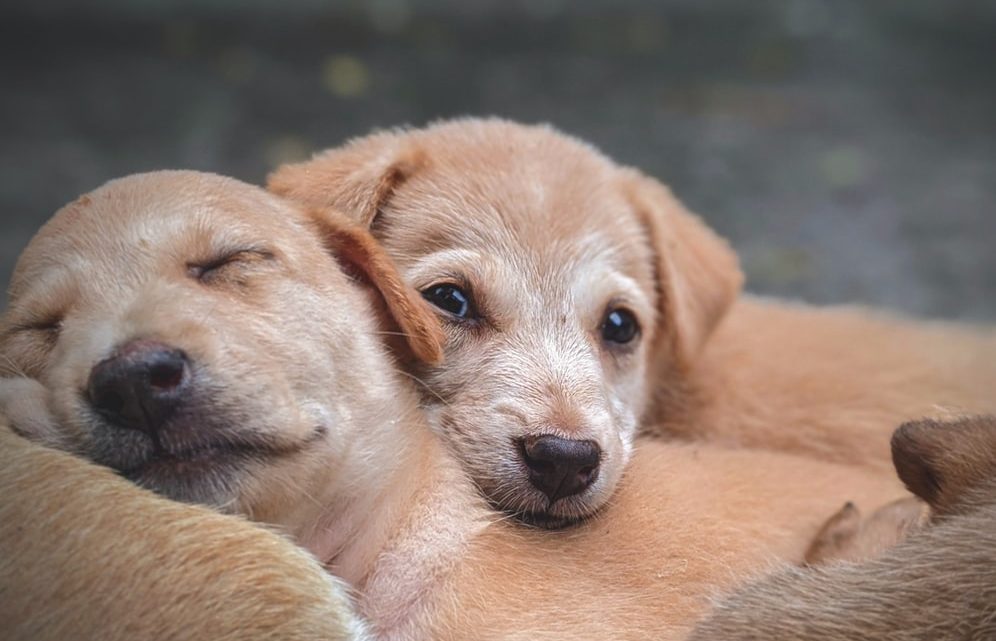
530,507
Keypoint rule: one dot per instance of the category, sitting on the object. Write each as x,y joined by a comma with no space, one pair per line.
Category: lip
547,521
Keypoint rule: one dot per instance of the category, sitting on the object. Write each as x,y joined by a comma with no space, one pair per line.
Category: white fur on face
537,364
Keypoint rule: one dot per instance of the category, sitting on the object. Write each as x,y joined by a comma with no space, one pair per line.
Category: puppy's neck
396,533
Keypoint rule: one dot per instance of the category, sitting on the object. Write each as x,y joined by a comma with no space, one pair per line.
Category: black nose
560,467
140,386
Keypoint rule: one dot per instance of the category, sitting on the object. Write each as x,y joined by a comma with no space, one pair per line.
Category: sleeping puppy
579,295
938,585
569,288
196,335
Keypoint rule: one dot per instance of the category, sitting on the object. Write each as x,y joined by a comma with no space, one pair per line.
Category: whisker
425,385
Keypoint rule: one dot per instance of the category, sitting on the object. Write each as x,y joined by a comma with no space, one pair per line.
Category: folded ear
698,274
363,258
941,461
357,179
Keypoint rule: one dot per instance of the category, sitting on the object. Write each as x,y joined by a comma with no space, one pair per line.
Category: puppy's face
543,263
198,337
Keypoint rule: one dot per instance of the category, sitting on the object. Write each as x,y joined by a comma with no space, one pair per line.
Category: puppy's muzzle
141,386
560,467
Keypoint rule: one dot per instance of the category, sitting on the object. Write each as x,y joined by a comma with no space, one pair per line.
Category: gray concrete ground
847,148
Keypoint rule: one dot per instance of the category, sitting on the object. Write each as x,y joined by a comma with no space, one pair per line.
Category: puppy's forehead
133,222
530,190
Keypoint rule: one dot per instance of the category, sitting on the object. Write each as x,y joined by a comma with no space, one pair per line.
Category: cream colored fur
376,495
545,232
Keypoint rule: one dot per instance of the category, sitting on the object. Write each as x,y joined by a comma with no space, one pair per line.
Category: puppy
569,288
578,296
939,584
196,334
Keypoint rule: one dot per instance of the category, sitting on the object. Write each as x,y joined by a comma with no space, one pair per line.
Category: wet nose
140,386
560,467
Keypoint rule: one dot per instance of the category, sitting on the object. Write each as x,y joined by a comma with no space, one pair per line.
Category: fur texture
375,495
546,237
938,585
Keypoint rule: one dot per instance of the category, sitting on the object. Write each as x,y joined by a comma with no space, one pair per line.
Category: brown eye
217,267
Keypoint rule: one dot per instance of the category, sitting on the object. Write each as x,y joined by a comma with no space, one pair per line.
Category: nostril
166,376
140,386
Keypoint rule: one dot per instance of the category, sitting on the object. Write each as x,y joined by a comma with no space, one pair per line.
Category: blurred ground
847,148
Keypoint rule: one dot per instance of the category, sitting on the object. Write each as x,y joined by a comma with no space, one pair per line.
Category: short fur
545,231
938,585
547,235
375,495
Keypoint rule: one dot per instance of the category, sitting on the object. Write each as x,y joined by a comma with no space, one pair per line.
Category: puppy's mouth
200,457
192,460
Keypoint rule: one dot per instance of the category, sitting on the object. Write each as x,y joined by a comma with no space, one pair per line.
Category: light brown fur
536,223
377,497
87,555
546,236
938,585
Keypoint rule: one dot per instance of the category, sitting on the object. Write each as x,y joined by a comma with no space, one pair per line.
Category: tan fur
938,585
546,235
376,496
536,223
830,383
846,536
86,555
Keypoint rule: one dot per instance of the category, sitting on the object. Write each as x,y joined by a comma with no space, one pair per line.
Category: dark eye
620,326
451,299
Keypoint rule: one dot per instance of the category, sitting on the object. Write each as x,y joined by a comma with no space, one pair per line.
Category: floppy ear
698,274
941,461
357,178
363,258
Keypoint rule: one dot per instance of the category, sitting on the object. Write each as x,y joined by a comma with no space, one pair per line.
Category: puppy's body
939,585
372,491
830,383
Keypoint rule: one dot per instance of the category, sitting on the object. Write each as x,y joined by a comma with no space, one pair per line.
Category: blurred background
847,148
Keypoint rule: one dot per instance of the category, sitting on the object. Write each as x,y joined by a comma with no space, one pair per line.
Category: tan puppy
530,241
286,408
569,288
939,585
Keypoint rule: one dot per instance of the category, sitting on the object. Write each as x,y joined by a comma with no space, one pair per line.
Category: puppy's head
198,337
567,286
949,464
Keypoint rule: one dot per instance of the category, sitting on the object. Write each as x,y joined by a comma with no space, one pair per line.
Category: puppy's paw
846,536
24,403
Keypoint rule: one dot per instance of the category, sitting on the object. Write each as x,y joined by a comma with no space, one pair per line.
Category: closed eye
207,270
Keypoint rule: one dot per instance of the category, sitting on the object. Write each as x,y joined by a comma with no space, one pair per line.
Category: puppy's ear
941,461
364,259
357,179
698,274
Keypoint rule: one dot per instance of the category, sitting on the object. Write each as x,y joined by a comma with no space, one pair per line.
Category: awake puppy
579,296
570,288
938,585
